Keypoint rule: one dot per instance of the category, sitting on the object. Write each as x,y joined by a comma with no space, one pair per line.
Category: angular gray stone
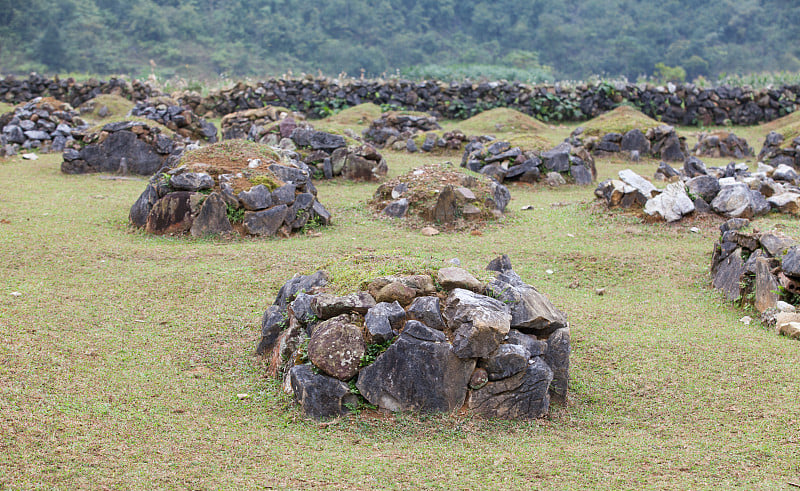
531,312
319,212
320,396
638,182
427,311
672,204
300,283
300,308
416,375
581,175
256,198
172,214
273,322
776,245
327,306
788,202
212,219
191,181
141,208
501,196
785,173
728,277
733,201
557,159
396,209
705,187
453,277
266,222
557,358
284,195
635,140
694,167
479,323
300,212
766,286
530,342
499,264
418,330
383,320
791,262
522,396
507,360
336,347
325,141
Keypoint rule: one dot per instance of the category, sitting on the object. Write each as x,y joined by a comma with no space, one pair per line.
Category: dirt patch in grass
621,119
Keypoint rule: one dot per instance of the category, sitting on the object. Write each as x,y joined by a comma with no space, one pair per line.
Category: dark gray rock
325,141
671,150
320,396
694,167
530,342
319,212
212,219
300,308
266,222
791,262
581,175
300,283
635,140
507,360
284,195
273,322
300,212
256,198
530,311
416,375
557,358
291,175
479,323
498,147
327,306
14,134
427,311
501,196
728,275
37,135
383,320
776,245
557,159
172,214
141,208
499,264
705,187
522,396
396,209
418,330
734,201
191,181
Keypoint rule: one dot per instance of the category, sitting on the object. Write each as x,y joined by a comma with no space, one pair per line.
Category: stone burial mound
123,147
732,191
400,127
440,196
502,162
777,152
44,124
722,144
326,154
761,269
229,187
179,119
408,343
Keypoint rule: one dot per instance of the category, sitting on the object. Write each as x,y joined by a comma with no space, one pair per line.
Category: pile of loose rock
777,154
122,147
256,124
500,349
731,191
761,268
439,196
177,118
722,144
329,156
46,125
220,196
502,162
659,142
393,127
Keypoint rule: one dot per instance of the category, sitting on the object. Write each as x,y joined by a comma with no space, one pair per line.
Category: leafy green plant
373,352
235,215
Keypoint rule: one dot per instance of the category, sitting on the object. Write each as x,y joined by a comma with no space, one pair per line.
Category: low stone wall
500,349
682,104
44,125
179,119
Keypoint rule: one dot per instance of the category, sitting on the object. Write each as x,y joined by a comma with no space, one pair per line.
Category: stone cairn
762,269
123,147
325,154
776,153
722,144
500,349
260,198
502,162
438,195
177,118
43,124
396,127
731,191
661,142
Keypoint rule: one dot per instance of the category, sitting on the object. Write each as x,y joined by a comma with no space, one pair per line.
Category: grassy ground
122,359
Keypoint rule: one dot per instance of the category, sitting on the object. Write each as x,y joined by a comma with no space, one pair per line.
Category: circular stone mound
440,196
179,119
44,124
230,187
499,349
722,144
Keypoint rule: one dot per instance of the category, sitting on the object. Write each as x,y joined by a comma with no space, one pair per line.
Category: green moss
118,106
267,180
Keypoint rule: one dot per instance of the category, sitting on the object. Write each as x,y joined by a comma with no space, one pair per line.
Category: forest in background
529,41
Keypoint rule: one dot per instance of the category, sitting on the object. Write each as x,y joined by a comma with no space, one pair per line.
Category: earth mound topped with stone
177,118
501,161
440,196
230,187
732,191
762,269
132,146
424,342
722,144
106,106
395,126
659,142
502,120
621,119
778,151
44,124
255,124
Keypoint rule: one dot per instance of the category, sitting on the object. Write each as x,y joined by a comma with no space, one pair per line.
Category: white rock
254,163
672,204
746,320
638,182
549,271
30,156
694,230
16,294
785,307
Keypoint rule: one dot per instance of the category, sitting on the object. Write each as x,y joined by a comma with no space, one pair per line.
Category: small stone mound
762,269
776,152
43,124
732,191
122,147
722,144
659,142
177,118
500,161
499,348
229,187
255,124
440,196
106,106
396,126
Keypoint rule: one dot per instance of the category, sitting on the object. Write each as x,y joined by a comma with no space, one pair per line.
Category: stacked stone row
14,90
660,142
178,119
501,348
39,125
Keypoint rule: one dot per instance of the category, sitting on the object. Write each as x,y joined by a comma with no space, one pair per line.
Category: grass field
122,357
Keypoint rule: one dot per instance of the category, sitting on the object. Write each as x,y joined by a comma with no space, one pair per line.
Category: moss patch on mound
117,107
621,119
501,120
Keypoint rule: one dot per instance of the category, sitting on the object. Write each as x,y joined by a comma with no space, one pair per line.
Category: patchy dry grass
121,360
118,107
357,118
621,119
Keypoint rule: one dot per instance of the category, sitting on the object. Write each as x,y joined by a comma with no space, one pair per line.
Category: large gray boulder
479,323
336,347
672,204
319,395
212,219
521,396
531,312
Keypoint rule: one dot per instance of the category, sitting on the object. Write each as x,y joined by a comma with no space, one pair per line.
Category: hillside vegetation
532,41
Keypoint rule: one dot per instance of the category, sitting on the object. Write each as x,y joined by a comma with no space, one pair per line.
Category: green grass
121,361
